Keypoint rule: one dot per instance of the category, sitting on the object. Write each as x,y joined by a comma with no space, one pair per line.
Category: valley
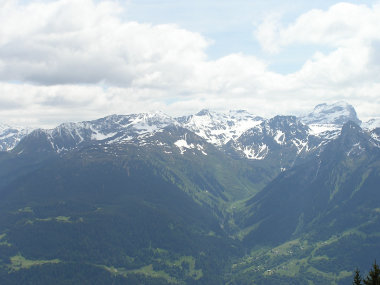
209,198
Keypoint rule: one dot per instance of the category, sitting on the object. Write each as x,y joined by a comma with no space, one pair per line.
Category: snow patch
301,145
375,137
318,129
183,146
279,137
356,149
220,128
259,154
99,136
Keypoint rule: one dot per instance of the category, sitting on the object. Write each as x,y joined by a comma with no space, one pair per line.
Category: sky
76,60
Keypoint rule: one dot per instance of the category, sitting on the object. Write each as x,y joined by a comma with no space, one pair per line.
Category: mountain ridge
148,199
224,130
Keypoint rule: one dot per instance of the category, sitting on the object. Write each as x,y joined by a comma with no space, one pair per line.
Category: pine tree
357,278
373,277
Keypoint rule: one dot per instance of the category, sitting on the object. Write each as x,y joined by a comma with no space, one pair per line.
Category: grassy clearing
59,219
293,258
145,270
193,273
160,251
288,248
25,210
241,234
291,268
3,241
63,219
184,262
330,276
19,262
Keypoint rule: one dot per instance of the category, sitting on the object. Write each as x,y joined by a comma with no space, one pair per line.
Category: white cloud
349,71
81,59
80,41
342,24
350,30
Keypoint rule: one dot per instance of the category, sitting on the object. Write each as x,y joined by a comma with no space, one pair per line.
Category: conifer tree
373,277
357,278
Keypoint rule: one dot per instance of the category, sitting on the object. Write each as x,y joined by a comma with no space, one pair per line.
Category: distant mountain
282,140
116,128
231,129
332,177
219,128
337,114
371,124
11,136
375,134
137,207
276,144
326,209
210,198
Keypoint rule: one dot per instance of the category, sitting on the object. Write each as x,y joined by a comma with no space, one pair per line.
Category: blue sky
230,24
74,60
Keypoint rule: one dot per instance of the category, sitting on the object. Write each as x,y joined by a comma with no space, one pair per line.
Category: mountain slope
311,214
206,199
110,211
334,179
119,128
219,128
11,136
281,139
230,131
153,206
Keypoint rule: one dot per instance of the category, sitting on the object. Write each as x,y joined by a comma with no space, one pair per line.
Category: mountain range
249,136
210,198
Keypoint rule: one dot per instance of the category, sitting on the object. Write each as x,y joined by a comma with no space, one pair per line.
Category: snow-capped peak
204,112
139,123
236,130
11,135
219,128
156,118
3,127
371,124
337,114
118,128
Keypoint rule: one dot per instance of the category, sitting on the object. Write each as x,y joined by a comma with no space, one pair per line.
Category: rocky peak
338,113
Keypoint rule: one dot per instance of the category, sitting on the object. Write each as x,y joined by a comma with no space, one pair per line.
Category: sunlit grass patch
25,210
145,270
3,241
185,263
190,261
59,219
19,262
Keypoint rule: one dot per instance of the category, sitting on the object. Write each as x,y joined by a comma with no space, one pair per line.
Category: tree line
373,277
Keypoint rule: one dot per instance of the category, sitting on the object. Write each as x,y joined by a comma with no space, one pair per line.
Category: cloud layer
70,60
